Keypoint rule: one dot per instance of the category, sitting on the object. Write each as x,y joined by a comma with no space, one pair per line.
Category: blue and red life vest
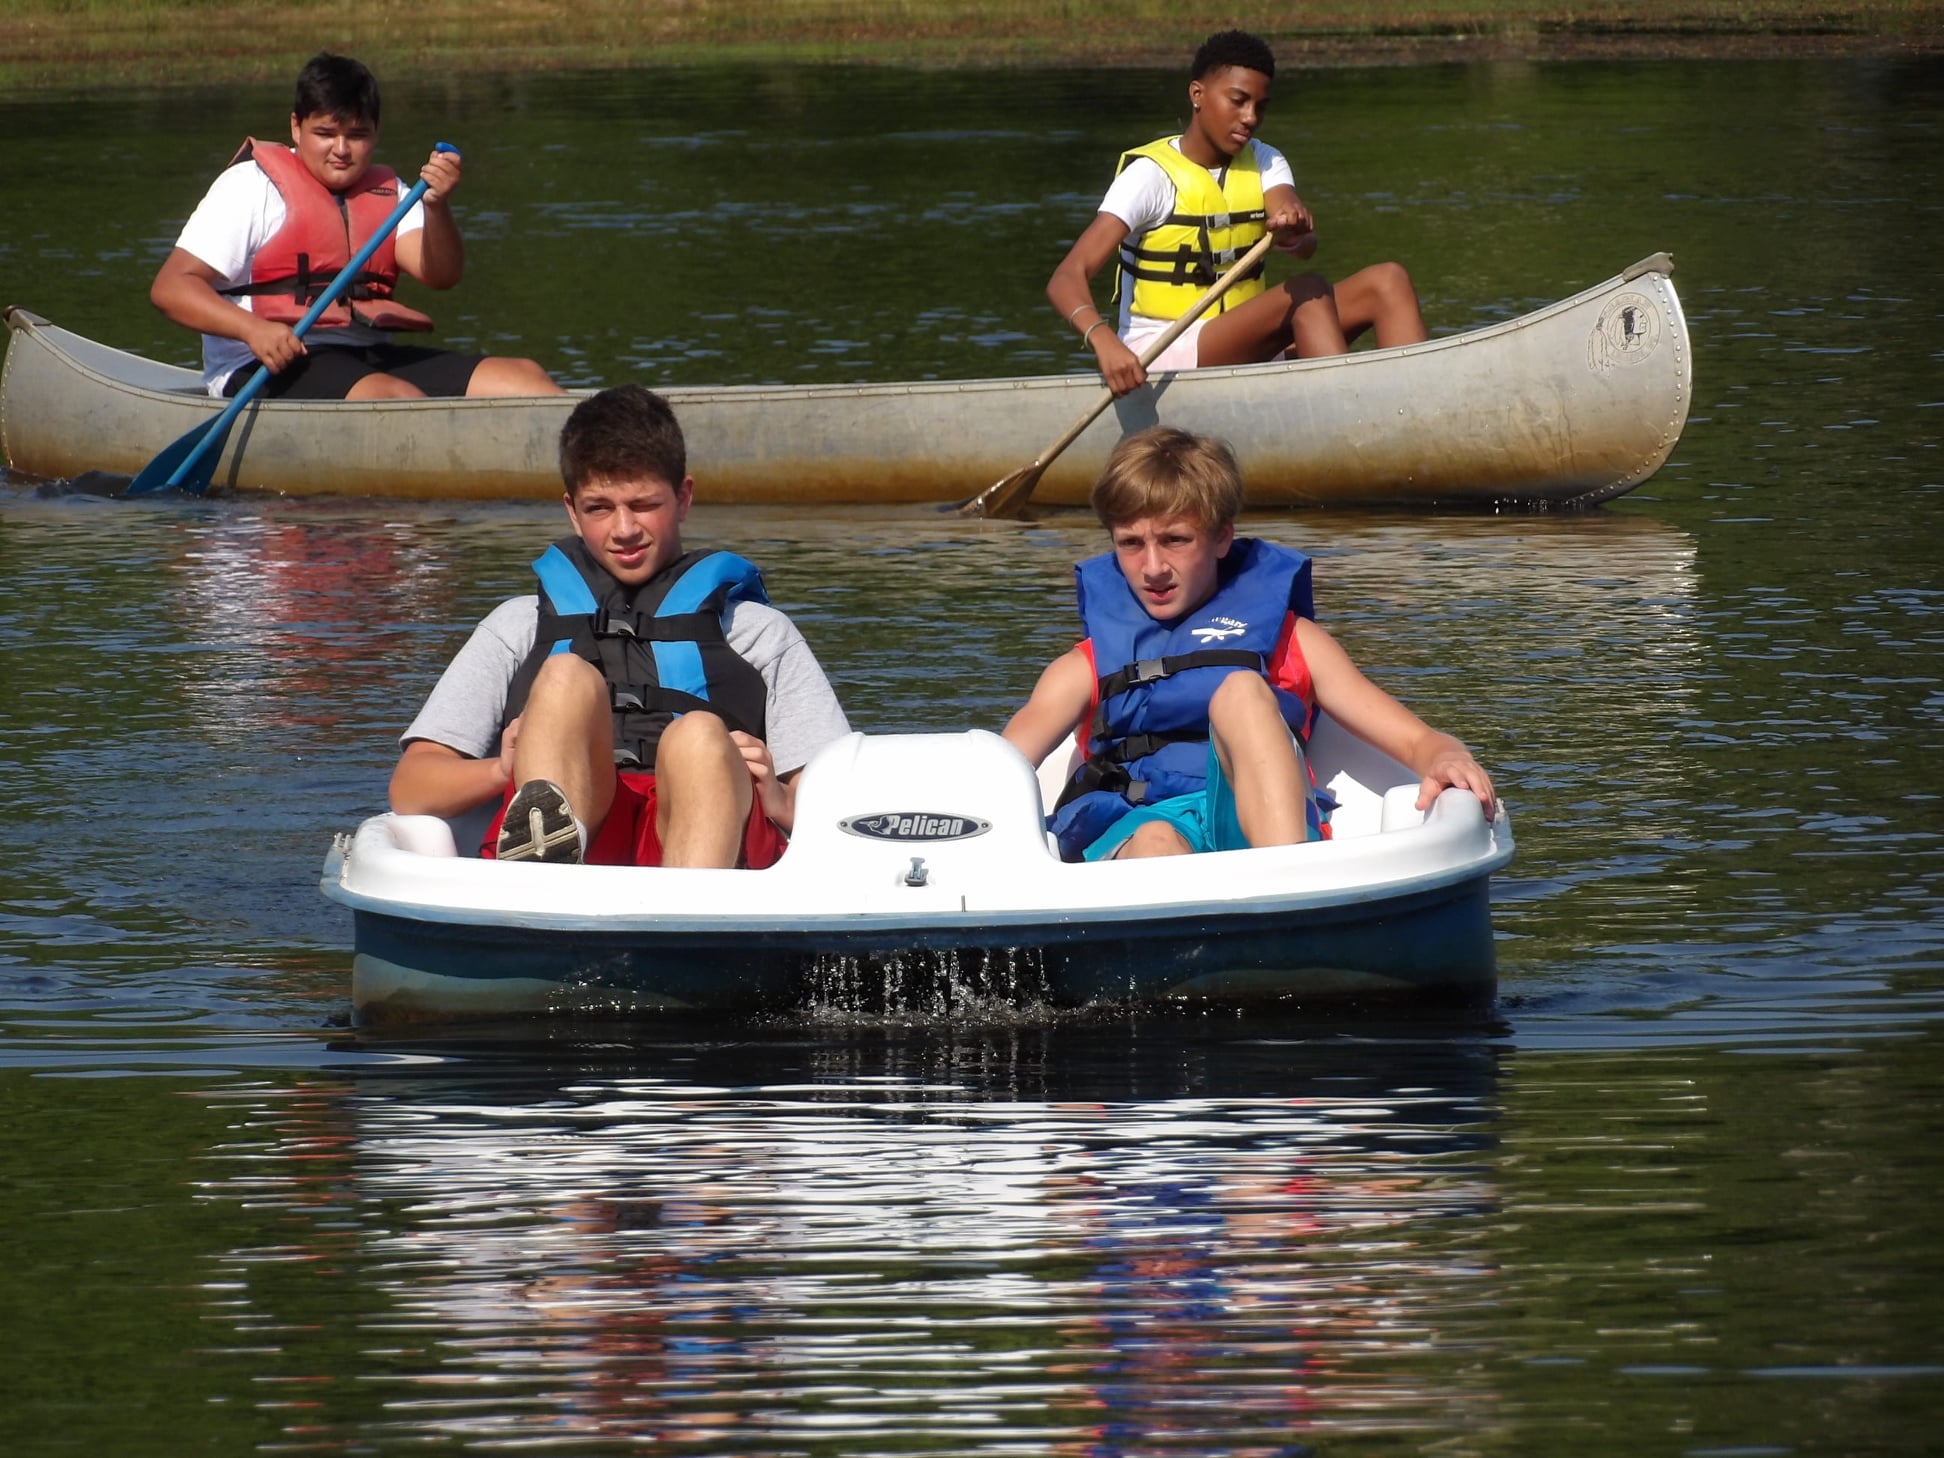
321,230
1146,737
662,646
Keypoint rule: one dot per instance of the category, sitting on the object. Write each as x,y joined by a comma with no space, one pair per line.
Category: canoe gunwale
1658,263
1535,412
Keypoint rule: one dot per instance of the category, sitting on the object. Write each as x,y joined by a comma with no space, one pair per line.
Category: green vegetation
68,44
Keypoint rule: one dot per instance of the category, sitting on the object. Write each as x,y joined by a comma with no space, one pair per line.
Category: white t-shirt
240,213
1142,197
466,706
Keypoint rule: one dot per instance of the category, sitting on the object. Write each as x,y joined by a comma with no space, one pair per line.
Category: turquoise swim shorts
1206,819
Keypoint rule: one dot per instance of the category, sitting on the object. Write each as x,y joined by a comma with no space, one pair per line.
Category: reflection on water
998,1241
1682,1200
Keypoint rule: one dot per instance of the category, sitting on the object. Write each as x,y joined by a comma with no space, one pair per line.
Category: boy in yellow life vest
1182,209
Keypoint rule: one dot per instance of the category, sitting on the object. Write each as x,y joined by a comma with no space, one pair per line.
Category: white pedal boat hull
1395,905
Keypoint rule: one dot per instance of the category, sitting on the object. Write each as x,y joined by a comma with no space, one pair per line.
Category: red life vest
320,232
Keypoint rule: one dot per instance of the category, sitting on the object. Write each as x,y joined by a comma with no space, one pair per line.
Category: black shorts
329,371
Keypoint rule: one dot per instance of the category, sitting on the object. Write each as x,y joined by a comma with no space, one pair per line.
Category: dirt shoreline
169,44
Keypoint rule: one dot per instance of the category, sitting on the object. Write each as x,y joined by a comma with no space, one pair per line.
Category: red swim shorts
627,837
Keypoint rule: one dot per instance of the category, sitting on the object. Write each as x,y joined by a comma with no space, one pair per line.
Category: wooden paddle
1007,497
189,461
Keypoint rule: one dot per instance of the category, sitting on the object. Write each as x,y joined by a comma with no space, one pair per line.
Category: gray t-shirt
466,706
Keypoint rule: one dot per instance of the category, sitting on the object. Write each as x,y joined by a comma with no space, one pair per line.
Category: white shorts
1183,354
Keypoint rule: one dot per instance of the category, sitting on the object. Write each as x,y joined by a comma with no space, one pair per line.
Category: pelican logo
1220,629
914,825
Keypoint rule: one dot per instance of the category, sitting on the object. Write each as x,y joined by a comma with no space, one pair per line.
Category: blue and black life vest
1147,738
660,646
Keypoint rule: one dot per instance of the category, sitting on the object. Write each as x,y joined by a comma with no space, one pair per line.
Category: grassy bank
68,44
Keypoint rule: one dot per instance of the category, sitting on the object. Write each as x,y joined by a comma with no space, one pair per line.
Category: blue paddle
189,461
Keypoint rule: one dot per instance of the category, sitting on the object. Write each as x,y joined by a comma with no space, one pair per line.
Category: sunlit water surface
1676,1195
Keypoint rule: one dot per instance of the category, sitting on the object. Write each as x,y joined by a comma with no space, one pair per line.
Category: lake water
1677,1196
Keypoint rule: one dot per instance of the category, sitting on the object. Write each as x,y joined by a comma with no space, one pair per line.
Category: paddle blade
1007,497
155,475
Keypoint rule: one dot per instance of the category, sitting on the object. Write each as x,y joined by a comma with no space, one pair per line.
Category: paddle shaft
217,431
998,500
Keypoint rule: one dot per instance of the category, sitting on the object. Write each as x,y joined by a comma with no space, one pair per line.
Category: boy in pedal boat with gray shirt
648,707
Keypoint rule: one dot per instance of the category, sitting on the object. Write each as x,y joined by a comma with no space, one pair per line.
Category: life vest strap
702,627
1140,746
1150,670
305,288
1099,774
1215,222
651,697
1183,266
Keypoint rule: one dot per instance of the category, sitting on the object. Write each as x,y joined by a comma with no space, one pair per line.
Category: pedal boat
920,882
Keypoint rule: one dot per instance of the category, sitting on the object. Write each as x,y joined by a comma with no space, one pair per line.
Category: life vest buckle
1147,670
612,625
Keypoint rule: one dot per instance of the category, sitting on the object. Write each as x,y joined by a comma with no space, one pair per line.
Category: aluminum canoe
1567,406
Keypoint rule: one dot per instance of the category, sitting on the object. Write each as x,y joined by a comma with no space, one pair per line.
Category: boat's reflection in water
1081,1239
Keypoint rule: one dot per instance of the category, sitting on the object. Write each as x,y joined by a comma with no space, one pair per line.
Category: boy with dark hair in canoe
1183,209
281,222
648,707
1200,674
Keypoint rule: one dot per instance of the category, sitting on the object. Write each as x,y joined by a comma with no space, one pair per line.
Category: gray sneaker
539,826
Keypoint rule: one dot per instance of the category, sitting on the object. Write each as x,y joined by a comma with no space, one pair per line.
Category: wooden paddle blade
1006,497
1007,501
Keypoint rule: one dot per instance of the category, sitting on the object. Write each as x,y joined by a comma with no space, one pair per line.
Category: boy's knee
1306,288
1242,692
1154,838
384,387
506,375
696,733
565,679
1393,281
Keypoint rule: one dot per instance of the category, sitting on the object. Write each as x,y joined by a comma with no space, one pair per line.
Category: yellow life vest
1212,225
